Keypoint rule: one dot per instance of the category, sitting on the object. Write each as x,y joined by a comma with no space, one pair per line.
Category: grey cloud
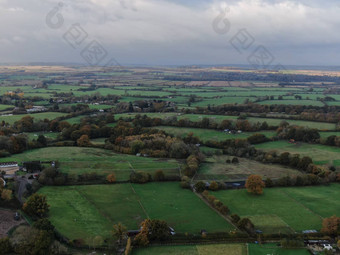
170,32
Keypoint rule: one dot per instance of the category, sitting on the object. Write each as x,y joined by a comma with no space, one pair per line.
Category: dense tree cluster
52,176
299,134
154,145
36,206
152,230
13,144
35,240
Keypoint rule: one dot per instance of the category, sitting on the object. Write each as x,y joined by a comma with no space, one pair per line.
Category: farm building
235,185
9,167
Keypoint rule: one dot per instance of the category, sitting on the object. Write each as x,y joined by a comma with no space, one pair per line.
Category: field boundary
220,214
140,203
298,202
99,211
288,226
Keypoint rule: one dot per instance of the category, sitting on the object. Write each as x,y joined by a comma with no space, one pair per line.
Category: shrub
140,177
213,186
217,203
5,246
185,185
224,210
235,160
159,176
246,224
235,218
269,183
200,186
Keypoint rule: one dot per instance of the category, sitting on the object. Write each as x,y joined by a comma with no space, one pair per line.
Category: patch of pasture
293,102
79,160
211,134
300,208
167,201
302,123
88,211
256,249
216,249
319,153
216,168
37,116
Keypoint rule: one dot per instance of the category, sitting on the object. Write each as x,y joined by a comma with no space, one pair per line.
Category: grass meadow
88,211
215,168
320,154
284,210
211,134
10,119
216,249
255,249
78,160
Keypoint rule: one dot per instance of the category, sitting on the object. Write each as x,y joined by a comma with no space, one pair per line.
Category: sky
170,32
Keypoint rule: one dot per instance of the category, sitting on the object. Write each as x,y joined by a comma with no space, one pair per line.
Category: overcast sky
171,32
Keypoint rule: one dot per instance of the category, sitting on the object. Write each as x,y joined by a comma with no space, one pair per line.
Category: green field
320,154
78,160
222,100
98,141
216,249
210,151
293,102
10,119
327,134
219,118
85,211
75,120
215,168
211,134
4,107
302,123
284,209
255,249
89,211
192,117
35,135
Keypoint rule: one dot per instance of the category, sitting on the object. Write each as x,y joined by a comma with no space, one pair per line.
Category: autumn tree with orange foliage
255,185
84,141
111,178
152,230
331,225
